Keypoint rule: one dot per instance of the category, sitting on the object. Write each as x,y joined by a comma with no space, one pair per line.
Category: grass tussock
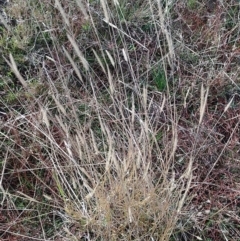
119,120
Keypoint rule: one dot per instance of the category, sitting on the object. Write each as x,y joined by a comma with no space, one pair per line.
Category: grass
119,120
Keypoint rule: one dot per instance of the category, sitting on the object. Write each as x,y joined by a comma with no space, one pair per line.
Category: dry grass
120,121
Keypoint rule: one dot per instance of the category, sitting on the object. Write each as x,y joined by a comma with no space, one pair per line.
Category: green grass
120,121
192,4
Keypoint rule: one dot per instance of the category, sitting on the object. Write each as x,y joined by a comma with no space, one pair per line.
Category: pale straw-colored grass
115,179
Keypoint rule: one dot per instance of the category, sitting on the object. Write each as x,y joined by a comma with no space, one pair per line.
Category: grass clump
115,121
